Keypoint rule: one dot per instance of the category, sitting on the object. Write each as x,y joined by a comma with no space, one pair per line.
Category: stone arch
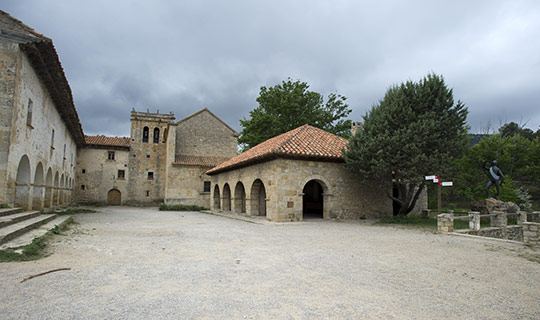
258,198
38,192
314,204
48,189
56,188
226,198
114,197
239,198
217,202
61,192
22,184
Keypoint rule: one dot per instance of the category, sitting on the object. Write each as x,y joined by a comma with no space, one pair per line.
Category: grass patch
180,207
74,211
4,206
36,249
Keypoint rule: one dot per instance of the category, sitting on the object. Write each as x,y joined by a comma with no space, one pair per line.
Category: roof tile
107,141
305,142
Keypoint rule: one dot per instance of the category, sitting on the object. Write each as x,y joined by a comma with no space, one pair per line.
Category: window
29,113
147,193
83,171
147,156
156,135
121,174
206,186
150,176
52,139
110,155
83,187
145,134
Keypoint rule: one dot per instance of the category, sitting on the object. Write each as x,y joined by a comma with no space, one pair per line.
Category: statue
495,175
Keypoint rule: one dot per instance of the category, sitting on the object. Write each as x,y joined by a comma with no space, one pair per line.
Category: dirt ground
139,263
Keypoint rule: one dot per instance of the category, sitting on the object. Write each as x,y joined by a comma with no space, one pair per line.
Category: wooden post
439,198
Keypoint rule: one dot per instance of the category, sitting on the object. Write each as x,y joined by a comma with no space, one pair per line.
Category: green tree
414,131
289,105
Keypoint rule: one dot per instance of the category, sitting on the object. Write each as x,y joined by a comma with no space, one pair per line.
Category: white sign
448,184
430,177
435,180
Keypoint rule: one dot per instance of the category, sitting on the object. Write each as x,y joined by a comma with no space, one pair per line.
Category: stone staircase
18,228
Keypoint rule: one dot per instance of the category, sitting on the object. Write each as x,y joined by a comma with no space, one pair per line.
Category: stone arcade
46,161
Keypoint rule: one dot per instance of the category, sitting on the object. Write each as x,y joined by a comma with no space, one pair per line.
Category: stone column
499,219
474,220
445,222
531,234
521,217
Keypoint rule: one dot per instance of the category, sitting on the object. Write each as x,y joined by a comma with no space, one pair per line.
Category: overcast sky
181,56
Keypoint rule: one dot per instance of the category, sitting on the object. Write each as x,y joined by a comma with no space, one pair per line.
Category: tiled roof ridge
279,149
104,140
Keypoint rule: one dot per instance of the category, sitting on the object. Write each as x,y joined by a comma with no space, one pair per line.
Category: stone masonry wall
186,186
531,234
100,175
202,134
345,196
51,161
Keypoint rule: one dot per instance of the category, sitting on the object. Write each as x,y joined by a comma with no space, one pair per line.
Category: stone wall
186,186
40,170
203,134
344,196
97,175
531,234
509,233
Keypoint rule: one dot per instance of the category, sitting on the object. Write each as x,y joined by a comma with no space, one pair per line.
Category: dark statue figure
496,177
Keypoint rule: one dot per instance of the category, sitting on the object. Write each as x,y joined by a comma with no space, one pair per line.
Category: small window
147,193
52,139
150,176
156,135
83,171
83,187
145,134
147,156
29,113
121,174
206,186
111,155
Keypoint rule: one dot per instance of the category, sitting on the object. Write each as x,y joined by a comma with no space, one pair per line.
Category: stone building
39,126
162,161
296,175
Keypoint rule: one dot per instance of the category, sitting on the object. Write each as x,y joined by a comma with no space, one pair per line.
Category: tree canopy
415,130
289,105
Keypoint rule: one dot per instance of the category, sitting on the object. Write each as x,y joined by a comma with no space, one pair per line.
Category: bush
180,207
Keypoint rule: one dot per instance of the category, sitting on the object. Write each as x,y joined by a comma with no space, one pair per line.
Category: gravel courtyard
140,263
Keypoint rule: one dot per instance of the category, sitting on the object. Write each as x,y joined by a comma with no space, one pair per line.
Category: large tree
289,105
415,130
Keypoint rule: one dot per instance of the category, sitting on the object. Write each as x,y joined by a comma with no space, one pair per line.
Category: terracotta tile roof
107,141
188,160
305,142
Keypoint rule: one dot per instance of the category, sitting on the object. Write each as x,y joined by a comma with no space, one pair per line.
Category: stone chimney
355,126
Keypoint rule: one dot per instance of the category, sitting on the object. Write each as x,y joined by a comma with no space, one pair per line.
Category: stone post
445,222
499,219
531,234
521,217
474,220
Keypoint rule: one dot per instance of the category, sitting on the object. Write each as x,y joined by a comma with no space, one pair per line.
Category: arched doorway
239,198
217,202
22,182
48,189
38,188
312,200
226,198
258,198
114,197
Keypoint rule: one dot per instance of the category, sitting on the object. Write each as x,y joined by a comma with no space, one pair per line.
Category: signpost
436,179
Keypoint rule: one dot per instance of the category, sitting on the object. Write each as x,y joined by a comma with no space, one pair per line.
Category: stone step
27,237
14,218
8,211
14,230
